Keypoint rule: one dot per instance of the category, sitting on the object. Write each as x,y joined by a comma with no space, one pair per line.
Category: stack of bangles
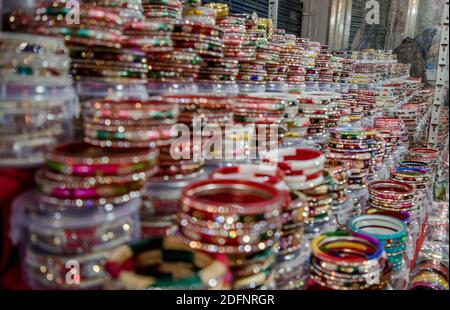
430,274
336,177
218,71
394,126
292,258
237,44
292,213
276,74
161,200
129,123
252,72
379,155
417,177
262,112
48,271
221,9
412,227
416,165
303,169
34,59
431,270
238,218
320,108
354,146
167,10
72,232
173,67
165,263
390,140
428,156
95,43
348,261
37,100
204,39
391,232
395,196
148,36
365,99
410,120
79,175
252,76
52,238
201,110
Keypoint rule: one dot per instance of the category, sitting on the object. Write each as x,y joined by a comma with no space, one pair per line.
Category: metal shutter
290,16
246,6
374,35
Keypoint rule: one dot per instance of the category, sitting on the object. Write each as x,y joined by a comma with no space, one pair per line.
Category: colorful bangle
206,271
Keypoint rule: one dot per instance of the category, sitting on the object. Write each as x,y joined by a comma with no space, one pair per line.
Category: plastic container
277,87
90,89
45,271
72,232
218,88
34,118
158,88
162,198
245,87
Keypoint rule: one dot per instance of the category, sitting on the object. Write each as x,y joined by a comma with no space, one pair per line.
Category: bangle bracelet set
132,123
431,269
96,42
229,204
161,200
348,261
337,177
27,59
37,99
166,263
169,10
47,271
429,156
392,195
206,109
303,169
391,232
292,213
79,175
320,108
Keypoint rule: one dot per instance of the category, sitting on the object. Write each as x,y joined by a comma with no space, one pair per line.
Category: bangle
84,188
57,179
186,220
386,189
222,237
83,154
262,173
242,196
298,159
390,231
371,246
206,271
348,261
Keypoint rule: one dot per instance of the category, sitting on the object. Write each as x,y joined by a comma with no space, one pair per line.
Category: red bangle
232,197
